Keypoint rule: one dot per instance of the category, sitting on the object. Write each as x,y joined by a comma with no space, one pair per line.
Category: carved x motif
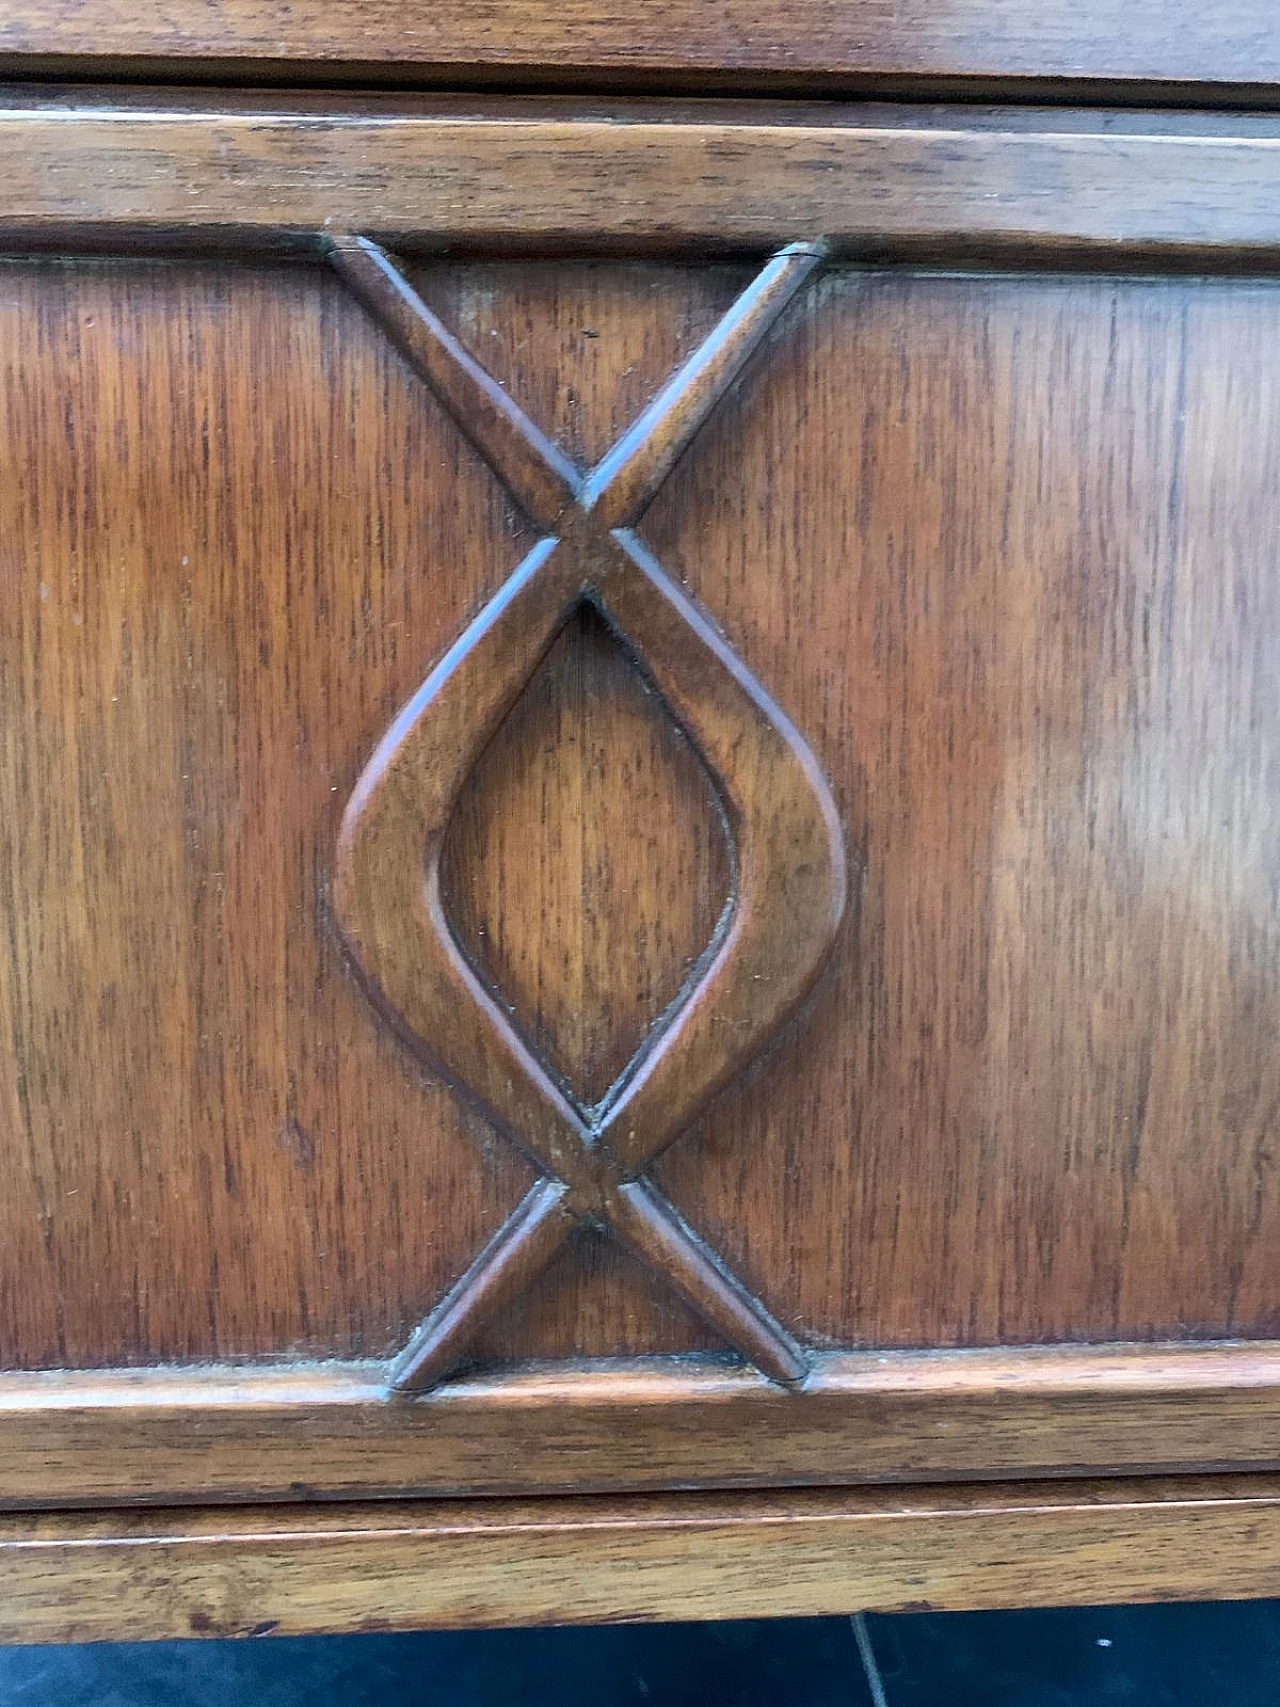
790,877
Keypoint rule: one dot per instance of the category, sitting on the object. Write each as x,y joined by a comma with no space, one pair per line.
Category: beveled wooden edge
329,1431
455,1564
822,43
421,173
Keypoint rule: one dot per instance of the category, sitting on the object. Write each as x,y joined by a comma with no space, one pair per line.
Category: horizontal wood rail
823,43
329,1430
581,1561
108,169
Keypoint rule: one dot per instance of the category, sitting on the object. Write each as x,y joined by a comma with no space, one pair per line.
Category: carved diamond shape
585,949
790,866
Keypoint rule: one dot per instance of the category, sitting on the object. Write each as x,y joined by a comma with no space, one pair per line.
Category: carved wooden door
641,766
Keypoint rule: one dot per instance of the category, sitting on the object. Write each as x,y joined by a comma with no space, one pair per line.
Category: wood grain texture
999,679
234,529
324,1432
88,1230
798,43
1028,637
111,167
789,869
999,543
237,798
582,1561
587,762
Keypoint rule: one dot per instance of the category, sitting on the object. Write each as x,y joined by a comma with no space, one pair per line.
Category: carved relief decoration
789,878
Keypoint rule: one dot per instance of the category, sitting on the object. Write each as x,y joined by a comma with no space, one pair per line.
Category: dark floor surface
1220,1655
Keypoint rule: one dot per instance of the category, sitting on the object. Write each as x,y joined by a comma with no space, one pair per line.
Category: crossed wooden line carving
789,886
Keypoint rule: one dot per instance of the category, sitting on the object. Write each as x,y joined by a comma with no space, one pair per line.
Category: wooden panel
789,861
827,43
995,542
619,332
189,726
1002,547
109,168
588,762
212,598
450,1565
532,862
587,947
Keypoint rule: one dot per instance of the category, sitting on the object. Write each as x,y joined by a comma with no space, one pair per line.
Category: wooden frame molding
329,1431
109,170
814,42
579,1561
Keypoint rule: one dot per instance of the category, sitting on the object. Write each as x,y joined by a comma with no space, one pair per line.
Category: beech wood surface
916,44
285,1571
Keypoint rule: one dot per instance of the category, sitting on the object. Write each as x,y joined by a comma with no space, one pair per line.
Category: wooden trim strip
330,1431
418,173
583,1561
787,41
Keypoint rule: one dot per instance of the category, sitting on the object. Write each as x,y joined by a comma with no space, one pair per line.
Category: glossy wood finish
799,43
577,1561
238,790
324,1432
789,869
962,1145
1018,594
998,543
100,168
585,761
203,1132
